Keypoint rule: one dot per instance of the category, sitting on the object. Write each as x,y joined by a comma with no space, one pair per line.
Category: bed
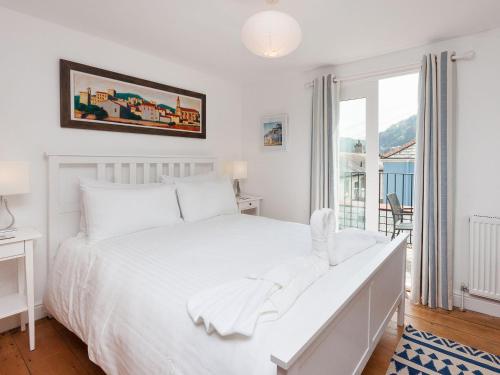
126,296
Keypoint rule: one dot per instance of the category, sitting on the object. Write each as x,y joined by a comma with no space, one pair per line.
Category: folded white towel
230,308
322,230
349,242
237,306
340,245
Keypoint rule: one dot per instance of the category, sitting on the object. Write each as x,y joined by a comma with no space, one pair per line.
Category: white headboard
65,171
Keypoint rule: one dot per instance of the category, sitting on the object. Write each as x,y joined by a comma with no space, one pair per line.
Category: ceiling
205,34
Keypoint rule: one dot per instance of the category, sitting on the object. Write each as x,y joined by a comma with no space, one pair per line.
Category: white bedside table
21,248
249,204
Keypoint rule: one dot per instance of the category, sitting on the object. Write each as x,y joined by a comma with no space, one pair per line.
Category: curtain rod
400,69
469,55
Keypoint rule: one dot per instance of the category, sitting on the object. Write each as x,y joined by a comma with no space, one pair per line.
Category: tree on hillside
398,134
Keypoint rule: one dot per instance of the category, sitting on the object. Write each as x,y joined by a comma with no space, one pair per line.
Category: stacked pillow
205,199
203,196
86,183
110,209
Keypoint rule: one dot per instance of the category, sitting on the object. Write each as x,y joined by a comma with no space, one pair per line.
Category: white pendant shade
271,34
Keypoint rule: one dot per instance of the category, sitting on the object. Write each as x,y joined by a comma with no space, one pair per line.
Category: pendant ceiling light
271,33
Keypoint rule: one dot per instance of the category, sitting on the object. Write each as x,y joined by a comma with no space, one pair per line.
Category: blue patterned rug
424,353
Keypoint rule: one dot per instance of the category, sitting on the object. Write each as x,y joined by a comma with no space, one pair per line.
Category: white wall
29,107
29,123
283,180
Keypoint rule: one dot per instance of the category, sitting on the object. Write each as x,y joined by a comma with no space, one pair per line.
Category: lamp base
5,234
9,230
237,188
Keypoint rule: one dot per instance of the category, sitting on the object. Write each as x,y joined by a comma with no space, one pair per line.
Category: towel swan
237,306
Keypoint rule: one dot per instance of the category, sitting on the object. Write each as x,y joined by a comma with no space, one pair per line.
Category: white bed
126,296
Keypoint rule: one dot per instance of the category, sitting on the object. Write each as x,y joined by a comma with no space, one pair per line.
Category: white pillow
89,182
210,176
202,200
114,212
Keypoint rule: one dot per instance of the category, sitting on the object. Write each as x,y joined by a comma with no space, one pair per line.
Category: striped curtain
324,139
432,256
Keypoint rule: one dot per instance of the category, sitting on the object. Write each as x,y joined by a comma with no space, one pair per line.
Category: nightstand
21,248
249,205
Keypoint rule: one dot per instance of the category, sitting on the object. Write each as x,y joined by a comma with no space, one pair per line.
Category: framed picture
98,99
274,132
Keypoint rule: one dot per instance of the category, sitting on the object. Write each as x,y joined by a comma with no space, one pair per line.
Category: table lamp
239,173
14,179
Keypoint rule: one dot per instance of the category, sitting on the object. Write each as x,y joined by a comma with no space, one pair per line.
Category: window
398,106
352,154
377,128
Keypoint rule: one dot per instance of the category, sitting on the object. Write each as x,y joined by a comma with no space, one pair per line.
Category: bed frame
338,340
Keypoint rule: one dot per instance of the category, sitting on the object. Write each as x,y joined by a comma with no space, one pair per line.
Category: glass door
352,163
377,144
397,124
358,155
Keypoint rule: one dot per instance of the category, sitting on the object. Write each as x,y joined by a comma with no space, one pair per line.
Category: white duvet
126,296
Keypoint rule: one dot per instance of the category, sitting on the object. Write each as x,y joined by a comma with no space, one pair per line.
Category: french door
358,154
377,144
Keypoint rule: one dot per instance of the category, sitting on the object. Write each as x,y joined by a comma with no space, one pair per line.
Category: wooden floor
469,328
60,352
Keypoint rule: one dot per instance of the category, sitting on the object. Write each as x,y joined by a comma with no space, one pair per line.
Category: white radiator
484,248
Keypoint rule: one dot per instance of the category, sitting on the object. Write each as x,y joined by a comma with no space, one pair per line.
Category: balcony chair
398,216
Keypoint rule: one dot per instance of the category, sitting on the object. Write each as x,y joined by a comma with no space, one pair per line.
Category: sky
398,100
271,125
352,120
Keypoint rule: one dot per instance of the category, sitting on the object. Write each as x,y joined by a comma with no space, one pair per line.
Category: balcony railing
402,185
352,199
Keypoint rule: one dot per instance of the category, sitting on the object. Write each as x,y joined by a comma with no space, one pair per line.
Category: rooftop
406,151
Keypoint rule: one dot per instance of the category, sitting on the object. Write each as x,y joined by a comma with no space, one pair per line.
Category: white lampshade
227,168
239,170
271,34
14,177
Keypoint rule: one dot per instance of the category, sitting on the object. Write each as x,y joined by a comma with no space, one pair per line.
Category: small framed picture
274,132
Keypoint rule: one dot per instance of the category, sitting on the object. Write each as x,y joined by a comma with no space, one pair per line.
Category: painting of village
274,131
104,102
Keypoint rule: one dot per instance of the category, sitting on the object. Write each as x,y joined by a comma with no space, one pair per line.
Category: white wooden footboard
343,343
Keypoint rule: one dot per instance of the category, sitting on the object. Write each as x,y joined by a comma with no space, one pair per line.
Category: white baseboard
478,304
14,322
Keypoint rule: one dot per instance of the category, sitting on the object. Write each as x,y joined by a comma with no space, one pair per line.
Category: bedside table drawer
247,205
11,249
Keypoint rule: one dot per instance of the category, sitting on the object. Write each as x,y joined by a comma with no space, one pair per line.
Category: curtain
432,255
324,140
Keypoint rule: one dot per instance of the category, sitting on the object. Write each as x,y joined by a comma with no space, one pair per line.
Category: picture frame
274,132
97,99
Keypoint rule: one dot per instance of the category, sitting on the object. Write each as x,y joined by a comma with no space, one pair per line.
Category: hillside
395,135
127,95
167,107
398,134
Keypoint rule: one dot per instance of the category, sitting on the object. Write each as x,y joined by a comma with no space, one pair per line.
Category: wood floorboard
60,352
471,316
456,324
